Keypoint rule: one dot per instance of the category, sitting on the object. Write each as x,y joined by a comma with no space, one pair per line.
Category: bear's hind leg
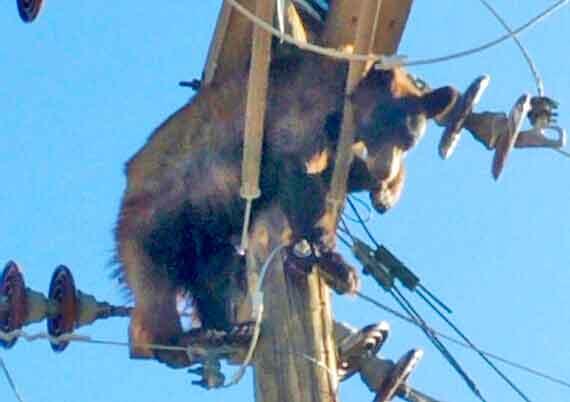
155,319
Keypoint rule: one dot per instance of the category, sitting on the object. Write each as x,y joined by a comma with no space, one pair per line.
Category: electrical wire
343,240
464,345
363,223
362,203
10,381
345,229
476,349
387,61
432,337
406,305
89,340
257,314
533,21
525,53
451,339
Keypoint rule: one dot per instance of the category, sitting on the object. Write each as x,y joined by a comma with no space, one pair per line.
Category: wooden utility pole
296,358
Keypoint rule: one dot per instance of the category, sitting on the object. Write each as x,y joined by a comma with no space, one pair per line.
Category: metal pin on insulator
355,346
211,373
542,113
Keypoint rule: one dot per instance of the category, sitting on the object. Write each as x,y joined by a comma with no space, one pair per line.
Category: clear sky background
83,87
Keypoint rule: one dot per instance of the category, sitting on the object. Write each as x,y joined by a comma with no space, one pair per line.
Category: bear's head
391,113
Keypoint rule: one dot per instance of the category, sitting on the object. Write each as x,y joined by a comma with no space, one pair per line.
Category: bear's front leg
302,197
339,275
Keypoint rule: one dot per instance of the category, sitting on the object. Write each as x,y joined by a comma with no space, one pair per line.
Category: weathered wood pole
296,357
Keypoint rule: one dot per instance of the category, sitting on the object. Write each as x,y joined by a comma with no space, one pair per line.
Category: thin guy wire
407,306
257,313
525,53
540,17
8,336
377,245
344,241
364,205
476,349
362,223
10,380
464,345
384,59
345,229
563,152
442,349
421,288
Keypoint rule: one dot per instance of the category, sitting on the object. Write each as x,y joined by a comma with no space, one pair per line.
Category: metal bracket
355,346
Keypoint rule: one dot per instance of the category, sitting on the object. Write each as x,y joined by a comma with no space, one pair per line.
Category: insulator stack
498,131
29,9
65,308
13,301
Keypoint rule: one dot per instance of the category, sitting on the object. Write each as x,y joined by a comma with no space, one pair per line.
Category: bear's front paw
325,233
339,275
152,339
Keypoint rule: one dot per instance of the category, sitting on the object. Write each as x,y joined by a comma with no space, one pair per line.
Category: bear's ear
440,101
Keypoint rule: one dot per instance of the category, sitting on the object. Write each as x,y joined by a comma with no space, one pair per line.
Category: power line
414,315
525,53
464,345
391,61
10,381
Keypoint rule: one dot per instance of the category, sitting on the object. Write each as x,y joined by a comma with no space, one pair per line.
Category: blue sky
84,86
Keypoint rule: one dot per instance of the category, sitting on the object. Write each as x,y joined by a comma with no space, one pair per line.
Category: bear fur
181,214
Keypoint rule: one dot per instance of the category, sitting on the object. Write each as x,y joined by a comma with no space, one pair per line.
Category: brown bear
182,213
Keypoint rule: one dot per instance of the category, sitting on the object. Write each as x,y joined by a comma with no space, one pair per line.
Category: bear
181,213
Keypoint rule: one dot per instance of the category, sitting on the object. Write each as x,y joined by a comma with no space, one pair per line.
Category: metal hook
536,138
